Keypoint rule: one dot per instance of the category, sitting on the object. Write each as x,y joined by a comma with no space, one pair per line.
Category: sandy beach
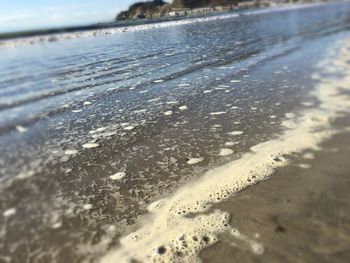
180,142
300,214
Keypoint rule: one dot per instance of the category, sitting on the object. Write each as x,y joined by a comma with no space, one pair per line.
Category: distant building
220,8
202,10
179,12
248,4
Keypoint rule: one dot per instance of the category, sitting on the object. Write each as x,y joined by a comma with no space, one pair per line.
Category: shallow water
94,129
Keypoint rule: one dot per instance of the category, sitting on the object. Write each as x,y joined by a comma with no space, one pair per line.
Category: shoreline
299,214
60,36
190,208
139,123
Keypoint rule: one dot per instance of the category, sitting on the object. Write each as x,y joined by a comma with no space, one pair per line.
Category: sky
18,15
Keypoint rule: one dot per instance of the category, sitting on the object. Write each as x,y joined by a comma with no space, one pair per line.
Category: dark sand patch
298,214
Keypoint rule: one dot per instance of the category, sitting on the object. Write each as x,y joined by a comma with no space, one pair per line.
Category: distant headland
160,9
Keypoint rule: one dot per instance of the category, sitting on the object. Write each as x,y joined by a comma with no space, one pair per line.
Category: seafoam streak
184,223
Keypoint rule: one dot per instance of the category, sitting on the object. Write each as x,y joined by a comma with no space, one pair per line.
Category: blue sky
18,15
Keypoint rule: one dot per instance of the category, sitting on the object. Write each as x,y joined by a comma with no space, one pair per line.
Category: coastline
300,214
112,130
148,25
192,208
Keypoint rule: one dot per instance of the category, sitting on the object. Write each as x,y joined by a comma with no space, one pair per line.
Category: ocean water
93,129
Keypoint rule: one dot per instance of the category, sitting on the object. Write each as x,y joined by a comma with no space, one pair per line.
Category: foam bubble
225,152
207,91
129,128
71,152
155,205
90,145
218,113
235,133
290,115
87,206
304,166
309,156
118,176
308,104
21,129
10,212
57,225
195,160
101,129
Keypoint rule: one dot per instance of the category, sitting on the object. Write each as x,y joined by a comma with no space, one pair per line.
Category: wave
110,31
183,224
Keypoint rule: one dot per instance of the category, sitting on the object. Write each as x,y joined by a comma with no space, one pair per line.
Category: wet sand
299,214
85,168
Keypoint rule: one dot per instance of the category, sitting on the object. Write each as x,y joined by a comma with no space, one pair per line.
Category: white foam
71,152
225,152
229,143
290,115
169,232
101,129
155,205
87,206
25,175
90,145
21,128
255,246
168,113
309,156
129,128
195,160
111,229
218,113
153,100
304,165
172,102
182,108
307,104
118,176
57,225
235,133
10,212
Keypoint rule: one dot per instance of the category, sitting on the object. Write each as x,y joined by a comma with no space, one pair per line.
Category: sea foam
182,224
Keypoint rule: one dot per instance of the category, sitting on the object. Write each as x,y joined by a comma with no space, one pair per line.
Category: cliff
159,8
142,10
